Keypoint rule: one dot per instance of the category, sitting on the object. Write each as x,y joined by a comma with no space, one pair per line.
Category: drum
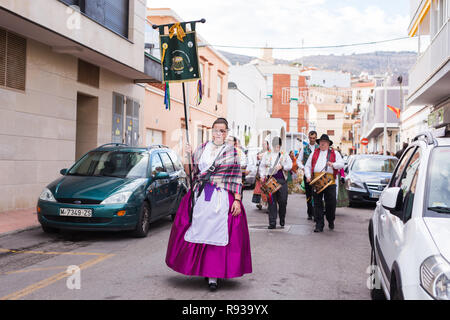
271,186
321,181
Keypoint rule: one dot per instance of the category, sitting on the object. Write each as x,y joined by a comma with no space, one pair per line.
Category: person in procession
215,242
262,204
277,164
305,152
324,159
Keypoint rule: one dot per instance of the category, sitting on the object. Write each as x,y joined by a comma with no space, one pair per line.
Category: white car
410,228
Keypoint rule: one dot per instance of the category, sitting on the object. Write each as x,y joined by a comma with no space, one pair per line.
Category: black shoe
317,229
212,286
271,227
282,224
259,206
309,218
331,225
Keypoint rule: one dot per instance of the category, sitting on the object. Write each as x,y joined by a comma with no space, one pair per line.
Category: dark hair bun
221,120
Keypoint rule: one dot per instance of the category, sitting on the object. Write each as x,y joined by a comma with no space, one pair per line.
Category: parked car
367,176
114,187
409,231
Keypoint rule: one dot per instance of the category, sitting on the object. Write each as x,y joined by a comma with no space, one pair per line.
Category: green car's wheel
143,224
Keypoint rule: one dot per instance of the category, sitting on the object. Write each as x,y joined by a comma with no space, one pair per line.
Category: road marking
46,282
53,252
35,269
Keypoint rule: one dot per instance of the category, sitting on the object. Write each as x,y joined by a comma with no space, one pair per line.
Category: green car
114,187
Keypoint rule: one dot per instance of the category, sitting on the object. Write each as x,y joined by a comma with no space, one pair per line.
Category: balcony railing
437,53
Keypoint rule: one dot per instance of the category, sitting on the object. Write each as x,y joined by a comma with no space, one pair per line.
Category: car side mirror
161,175
63,171
392,200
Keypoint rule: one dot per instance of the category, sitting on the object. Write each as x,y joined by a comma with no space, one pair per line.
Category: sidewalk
12,221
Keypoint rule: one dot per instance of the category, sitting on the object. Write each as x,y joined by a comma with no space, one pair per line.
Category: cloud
286,23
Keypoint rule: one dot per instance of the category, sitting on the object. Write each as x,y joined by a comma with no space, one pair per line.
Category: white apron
209,218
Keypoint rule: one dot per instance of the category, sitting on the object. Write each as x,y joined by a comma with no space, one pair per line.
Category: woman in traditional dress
215,243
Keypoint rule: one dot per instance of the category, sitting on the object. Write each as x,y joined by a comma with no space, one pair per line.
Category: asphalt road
291,263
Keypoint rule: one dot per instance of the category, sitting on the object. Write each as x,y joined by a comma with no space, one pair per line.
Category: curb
8,233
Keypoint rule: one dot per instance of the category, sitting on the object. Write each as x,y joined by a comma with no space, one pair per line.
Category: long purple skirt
197,259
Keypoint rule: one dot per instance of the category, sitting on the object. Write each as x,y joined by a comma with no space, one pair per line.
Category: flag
395,110
167,95
179,56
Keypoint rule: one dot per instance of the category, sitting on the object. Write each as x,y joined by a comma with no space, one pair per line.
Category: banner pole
190,155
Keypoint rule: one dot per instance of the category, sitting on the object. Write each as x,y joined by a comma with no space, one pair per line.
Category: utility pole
385,115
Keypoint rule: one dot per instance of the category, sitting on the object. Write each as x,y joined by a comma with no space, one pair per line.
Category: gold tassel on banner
179,29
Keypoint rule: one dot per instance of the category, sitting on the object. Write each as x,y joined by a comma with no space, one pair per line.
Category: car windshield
374,165
439,187
117,164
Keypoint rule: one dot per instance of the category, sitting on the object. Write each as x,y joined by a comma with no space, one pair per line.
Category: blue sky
286,23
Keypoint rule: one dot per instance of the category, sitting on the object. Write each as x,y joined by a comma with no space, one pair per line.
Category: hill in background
373,63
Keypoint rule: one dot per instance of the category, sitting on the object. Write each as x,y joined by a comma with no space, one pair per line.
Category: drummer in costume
216,243
302,159
324,159
277,164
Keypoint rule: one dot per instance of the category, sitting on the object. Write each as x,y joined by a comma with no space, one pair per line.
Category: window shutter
116,16
15,61
2,57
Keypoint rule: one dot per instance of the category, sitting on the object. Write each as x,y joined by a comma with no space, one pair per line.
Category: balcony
429,78
219,98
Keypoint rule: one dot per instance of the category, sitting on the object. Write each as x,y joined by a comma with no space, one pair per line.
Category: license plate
75,212
374,195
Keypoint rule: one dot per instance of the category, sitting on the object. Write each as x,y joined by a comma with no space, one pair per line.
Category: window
13,52
219,89
330,117
157,165
442,12
397,176
175,160
112,14
330,132
129,119
408,185
374,165
117,125
168,165
88,74
112,164
152,41
286,95
438,198
209,81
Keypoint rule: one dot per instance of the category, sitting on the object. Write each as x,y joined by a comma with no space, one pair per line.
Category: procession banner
179,55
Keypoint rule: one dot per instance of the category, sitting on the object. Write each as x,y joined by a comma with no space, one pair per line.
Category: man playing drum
324,159
302,159
276,164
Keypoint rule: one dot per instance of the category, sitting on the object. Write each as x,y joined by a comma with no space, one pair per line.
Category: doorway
87,124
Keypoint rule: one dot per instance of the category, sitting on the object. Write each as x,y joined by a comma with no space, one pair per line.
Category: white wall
248,102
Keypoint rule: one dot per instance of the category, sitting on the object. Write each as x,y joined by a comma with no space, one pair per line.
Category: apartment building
430,75
70,75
